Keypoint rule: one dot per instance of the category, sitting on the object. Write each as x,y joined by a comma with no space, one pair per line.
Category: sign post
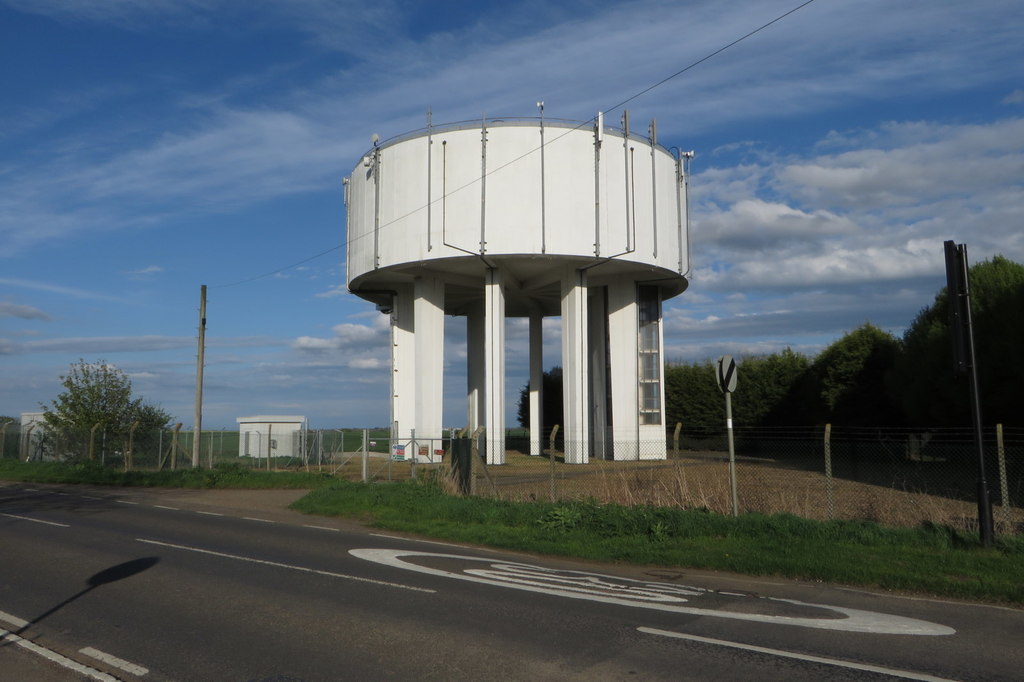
726,375
962,331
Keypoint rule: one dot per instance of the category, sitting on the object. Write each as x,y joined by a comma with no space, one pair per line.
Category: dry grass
702,482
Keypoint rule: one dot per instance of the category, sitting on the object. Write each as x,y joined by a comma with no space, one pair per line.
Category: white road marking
333,530
161,506
125,502
424,542
906,674
206,513
252,518
304,569
59,659
13,620
647,594
91,497
114,661
28,518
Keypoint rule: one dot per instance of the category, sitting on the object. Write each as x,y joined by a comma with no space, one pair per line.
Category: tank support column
536,384
475,335
575,358
622,323
428,304
494,363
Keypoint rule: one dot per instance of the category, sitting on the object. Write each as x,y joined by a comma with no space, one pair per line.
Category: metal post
174,447
962,330
1004,489
366,456
128,456
198,424
732,454
829,492
412,457
551,458
92,440
3,437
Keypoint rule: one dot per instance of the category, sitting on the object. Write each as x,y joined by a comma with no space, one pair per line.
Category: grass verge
931,559
226,476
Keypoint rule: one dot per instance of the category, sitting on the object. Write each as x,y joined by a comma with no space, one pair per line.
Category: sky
148,147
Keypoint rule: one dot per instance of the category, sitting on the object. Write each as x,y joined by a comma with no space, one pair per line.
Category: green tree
97,396
851,376
768,393
924,381
692,398
551,412
772,390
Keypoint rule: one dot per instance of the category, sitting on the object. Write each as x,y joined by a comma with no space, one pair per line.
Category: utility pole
198,430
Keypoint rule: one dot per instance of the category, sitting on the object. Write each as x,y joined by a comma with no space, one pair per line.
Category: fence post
366,456
551,460
474,454
829,493
413,448
174,447
26,442
1004,489
3,437
128,456
675,438
92,440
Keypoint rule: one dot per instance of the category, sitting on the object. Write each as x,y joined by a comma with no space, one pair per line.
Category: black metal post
962,329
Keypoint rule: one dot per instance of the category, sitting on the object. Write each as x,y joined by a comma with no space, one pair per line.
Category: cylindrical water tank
526,195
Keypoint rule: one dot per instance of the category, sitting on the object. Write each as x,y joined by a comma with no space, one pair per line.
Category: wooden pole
198,428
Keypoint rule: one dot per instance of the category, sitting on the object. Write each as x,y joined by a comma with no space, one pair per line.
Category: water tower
528,218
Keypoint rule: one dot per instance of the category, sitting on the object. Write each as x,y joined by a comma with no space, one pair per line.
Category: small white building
273,435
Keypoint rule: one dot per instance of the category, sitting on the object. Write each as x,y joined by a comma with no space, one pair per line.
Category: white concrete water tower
525,218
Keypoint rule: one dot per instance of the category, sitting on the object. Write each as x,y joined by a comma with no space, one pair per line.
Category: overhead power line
641,93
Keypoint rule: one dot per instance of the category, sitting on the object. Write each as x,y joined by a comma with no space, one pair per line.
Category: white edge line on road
162,506
110,659
304,569
125,502
429,542
905,674
253,518
28,518
333,530
930,600
206,513
13,620
57,658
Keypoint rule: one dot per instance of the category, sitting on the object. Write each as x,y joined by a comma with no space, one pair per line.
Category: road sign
726,374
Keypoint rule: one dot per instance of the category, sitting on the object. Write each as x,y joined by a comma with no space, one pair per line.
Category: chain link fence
901,477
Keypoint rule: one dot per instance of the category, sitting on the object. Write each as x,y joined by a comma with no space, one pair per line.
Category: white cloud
1015,97
24,312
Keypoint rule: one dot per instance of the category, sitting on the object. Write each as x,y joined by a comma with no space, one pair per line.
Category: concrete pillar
403,365
494,362
597,331
574,366
475,369
428,317
622,342
537,384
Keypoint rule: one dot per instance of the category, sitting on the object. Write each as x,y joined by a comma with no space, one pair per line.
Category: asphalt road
191,585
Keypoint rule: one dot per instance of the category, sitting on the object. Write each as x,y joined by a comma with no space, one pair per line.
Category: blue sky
151,146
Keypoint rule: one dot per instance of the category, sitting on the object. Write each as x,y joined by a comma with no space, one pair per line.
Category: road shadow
104,577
